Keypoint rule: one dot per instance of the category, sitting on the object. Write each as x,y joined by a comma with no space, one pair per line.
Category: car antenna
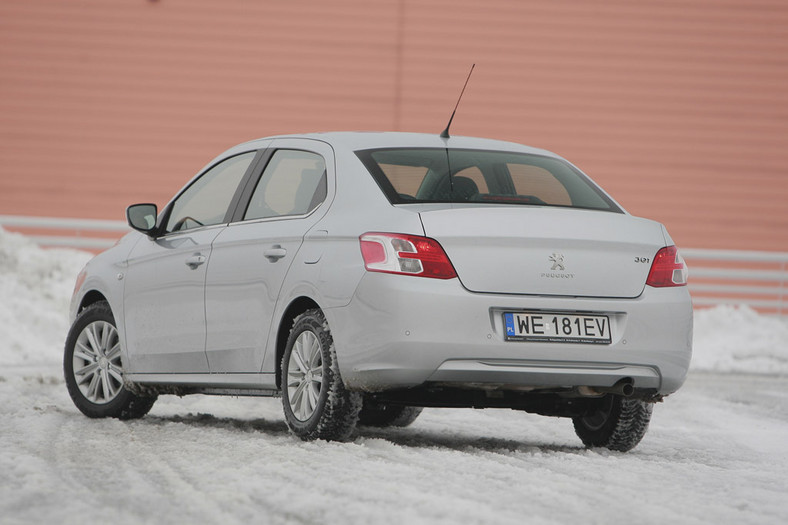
445,132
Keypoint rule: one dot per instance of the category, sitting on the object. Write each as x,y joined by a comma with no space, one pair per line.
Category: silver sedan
363,276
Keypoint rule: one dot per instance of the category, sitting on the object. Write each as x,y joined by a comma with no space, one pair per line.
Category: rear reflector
668,269
405,254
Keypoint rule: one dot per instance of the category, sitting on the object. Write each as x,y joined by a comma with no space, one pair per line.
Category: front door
164,291
165,313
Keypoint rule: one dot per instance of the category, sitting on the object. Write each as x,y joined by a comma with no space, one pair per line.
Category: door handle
195,260
274,253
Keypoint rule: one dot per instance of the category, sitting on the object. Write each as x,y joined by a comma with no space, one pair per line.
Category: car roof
362,140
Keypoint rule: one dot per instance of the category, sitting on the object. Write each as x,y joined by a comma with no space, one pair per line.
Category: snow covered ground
716,452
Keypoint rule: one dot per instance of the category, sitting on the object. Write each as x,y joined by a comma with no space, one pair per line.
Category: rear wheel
316,403
617,423
93,368
374,414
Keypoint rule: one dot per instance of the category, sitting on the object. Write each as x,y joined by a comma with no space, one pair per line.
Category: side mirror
142,217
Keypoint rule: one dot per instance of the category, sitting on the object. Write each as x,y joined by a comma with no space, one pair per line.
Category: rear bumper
524,373
401,332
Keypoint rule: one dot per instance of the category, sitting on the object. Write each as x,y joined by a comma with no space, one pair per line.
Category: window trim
245,195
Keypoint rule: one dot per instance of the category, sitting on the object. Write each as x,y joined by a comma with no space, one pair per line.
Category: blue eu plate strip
509,321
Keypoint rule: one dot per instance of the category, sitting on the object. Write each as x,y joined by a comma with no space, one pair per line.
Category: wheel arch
296,307
92,297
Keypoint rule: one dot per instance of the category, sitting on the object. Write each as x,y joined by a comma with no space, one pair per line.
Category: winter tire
93,368
374,414
316,403
617,423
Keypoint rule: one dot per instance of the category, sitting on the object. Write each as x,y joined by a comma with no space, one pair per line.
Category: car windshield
425,175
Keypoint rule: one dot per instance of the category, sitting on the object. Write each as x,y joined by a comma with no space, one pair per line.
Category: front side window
293,183
414,175
207,200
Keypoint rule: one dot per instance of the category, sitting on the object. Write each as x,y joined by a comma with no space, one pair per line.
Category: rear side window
293,183
416,175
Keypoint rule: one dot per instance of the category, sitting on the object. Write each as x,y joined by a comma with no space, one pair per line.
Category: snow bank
36,285
738,339
35,289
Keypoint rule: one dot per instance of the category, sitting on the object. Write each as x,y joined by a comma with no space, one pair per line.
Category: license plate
548,327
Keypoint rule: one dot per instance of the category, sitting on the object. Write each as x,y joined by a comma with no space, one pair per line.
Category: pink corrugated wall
679,109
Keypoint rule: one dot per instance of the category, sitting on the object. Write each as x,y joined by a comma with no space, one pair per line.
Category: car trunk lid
546,250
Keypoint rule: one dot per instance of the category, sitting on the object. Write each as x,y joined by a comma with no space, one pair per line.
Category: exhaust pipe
622,388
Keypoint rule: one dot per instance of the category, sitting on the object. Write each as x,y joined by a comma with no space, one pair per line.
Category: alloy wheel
305,375
96,363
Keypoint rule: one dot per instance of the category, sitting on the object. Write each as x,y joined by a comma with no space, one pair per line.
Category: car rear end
553,289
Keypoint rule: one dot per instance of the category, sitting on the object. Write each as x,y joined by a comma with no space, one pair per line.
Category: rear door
165,278
252,256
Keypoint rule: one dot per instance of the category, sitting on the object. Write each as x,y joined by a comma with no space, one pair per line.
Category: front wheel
316,403
616,422
93,368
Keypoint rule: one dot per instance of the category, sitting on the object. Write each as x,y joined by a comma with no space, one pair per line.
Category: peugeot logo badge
558,262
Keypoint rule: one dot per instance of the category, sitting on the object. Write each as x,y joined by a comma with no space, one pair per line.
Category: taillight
668,269
405,254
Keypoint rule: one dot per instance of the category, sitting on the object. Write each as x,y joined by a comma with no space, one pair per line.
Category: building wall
678,108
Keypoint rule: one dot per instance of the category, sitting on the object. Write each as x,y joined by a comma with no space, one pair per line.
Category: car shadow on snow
412,437
456,441
268,426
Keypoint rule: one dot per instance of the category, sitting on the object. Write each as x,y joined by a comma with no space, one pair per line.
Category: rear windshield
417,175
